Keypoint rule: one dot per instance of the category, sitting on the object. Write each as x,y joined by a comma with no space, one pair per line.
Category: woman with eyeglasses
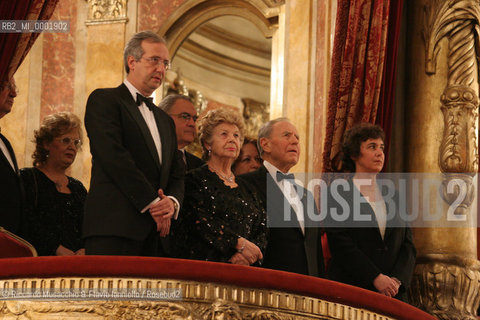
54,201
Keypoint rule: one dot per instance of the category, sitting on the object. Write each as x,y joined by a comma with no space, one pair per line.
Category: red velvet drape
15,46
387,94
358,89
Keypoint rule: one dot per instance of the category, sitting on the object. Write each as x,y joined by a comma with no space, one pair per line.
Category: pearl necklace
229,179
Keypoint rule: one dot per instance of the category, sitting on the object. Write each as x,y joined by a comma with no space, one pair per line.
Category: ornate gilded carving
445,18
446,287
265,315
104,309
106,11
255,114
456,20
458,152
178,86
461,190
221,309
206,301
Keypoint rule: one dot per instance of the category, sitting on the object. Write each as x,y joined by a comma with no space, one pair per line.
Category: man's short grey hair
167,103
134,45
266,131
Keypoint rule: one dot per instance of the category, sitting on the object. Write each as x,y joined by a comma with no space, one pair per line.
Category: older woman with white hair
221,218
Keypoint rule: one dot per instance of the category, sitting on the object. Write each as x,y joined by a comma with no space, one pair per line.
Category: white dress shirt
378,206
149,118
289,191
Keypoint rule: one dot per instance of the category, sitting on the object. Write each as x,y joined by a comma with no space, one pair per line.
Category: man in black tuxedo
10,187
137,184
293,245
183,113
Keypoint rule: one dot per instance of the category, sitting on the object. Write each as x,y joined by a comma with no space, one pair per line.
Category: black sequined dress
213,217
53,218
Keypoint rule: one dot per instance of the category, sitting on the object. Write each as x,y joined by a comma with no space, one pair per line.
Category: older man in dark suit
183,113
293,244
10,189
137,182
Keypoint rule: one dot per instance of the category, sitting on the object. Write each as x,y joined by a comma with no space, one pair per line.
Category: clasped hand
162,211
386,285
248,253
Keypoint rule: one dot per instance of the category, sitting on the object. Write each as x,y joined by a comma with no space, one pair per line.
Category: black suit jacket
359,254
193,162
10,192
288,248
126,171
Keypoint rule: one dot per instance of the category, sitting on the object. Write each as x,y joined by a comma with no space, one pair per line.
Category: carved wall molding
106,11
192,14
247,77
208,54
446,287
200,301
233,40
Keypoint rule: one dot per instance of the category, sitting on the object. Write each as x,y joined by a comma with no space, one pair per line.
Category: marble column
299,72
442,111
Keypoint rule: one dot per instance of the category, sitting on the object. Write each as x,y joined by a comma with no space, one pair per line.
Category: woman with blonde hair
221,218
54,201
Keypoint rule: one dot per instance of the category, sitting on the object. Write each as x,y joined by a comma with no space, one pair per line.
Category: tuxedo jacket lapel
366,209
392,223
132,108
277,204
12,155
161,118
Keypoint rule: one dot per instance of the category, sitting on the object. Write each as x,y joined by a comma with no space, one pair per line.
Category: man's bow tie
148,101
281,176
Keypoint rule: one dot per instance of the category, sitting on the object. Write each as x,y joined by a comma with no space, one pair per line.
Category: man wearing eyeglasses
137,183
10,190
183,113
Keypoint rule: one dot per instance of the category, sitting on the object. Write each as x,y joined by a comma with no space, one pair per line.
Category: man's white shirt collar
133,90
293,199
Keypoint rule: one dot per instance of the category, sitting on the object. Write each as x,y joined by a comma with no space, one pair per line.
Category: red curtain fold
15,46
387,96
359,62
